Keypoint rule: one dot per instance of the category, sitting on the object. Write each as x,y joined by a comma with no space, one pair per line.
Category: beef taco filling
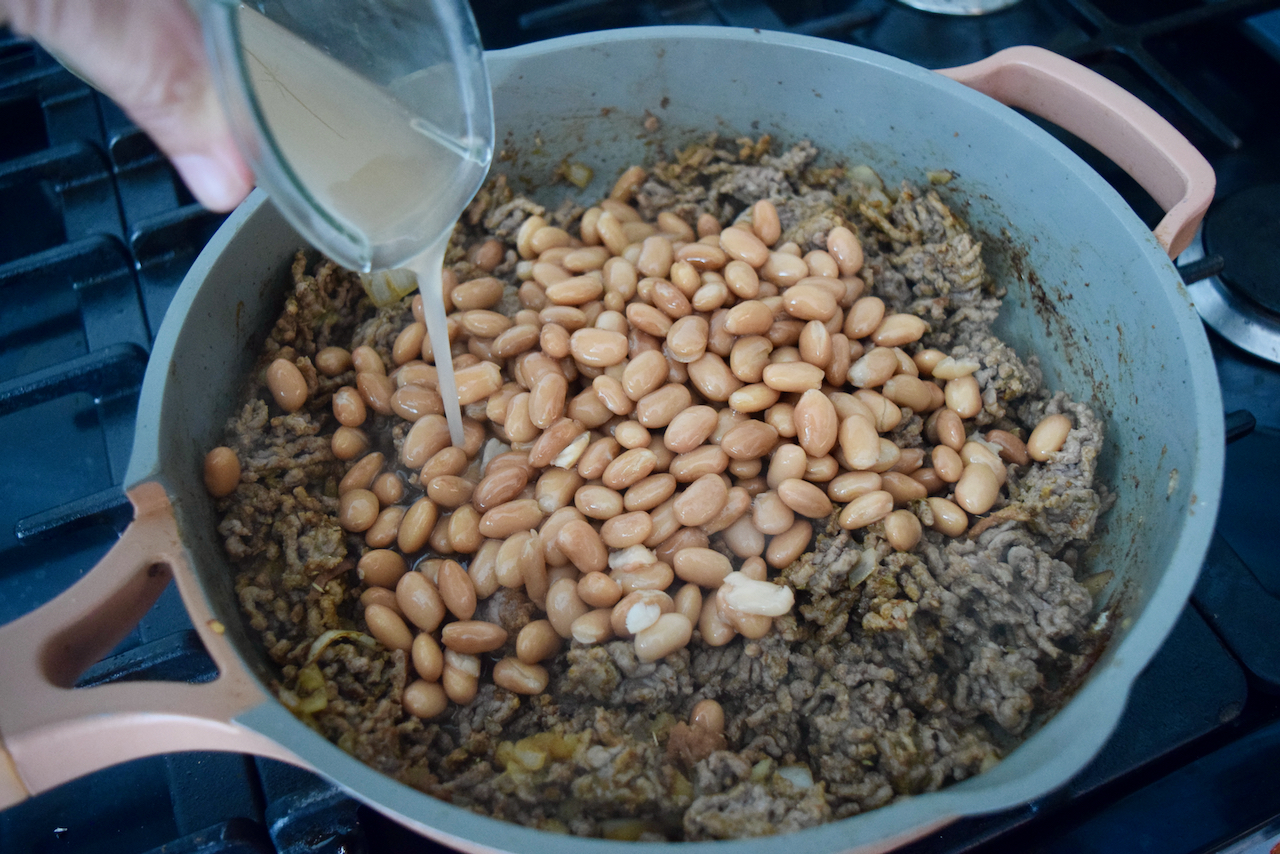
757,524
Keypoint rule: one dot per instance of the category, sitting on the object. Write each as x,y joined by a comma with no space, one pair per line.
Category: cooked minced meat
896,672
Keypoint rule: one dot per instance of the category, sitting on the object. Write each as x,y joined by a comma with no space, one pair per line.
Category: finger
147,56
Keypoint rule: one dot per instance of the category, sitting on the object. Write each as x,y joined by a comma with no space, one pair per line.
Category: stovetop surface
96,234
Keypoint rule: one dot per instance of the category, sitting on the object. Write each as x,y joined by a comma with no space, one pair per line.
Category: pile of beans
667,395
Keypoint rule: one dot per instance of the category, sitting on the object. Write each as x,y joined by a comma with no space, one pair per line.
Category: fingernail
213,184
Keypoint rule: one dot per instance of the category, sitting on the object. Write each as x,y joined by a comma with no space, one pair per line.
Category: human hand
148,57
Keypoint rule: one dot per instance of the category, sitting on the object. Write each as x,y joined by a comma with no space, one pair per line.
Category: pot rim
1073,735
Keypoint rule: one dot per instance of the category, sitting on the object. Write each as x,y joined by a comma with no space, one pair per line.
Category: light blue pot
1089,290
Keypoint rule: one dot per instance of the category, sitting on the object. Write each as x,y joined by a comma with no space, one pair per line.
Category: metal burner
960,7
1243,304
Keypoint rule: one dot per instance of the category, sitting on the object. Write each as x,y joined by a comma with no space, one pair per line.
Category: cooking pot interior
1089,292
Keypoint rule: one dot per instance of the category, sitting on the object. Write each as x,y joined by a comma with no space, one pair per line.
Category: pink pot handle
51,732
1126,130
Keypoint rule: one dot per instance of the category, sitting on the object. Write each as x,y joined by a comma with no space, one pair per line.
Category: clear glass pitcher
368,122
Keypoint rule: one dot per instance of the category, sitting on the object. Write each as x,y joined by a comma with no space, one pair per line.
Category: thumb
147,56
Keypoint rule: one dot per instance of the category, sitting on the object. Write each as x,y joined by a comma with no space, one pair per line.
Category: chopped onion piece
799,775
321,643
386,287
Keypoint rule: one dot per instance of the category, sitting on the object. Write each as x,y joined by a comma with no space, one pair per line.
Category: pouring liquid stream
387,179
427,268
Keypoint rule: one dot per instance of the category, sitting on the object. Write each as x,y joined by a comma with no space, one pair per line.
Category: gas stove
96,233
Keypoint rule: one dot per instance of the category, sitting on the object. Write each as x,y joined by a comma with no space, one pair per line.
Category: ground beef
756,809
896,672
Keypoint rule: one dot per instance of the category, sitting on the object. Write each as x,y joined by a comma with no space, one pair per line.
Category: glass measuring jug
370,125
